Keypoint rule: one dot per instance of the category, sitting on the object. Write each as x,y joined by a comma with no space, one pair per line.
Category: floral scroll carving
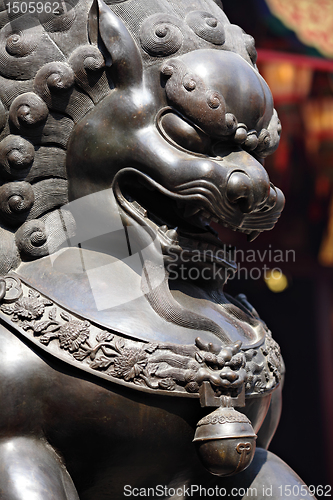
158,366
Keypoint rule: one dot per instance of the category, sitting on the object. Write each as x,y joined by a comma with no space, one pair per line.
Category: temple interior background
294,39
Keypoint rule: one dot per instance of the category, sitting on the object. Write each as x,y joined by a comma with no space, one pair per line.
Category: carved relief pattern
272,351
213,419
152,366
206,26
160,35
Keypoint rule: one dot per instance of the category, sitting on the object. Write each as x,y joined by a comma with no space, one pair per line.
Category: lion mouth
183,219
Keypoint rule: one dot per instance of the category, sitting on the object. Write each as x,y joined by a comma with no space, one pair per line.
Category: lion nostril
272,198
240,191
270,201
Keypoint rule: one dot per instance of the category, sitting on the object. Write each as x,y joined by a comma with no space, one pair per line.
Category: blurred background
294,39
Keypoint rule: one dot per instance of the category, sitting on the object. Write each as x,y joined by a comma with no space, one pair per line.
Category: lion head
159,103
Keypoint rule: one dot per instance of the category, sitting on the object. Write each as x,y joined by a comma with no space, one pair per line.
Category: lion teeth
172,235
142,211
205,217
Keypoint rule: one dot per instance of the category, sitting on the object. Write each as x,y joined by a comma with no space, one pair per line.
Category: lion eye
185,135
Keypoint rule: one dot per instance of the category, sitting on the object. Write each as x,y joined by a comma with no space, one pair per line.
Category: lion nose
248,192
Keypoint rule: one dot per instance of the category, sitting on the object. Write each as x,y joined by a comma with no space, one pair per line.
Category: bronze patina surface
131,131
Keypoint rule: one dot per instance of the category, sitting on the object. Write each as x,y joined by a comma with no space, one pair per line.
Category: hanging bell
225,441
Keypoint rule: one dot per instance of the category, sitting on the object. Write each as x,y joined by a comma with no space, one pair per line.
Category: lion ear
93,24
110,34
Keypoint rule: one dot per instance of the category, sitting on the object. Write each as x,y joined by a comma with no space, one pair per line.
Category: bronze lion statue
131,131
